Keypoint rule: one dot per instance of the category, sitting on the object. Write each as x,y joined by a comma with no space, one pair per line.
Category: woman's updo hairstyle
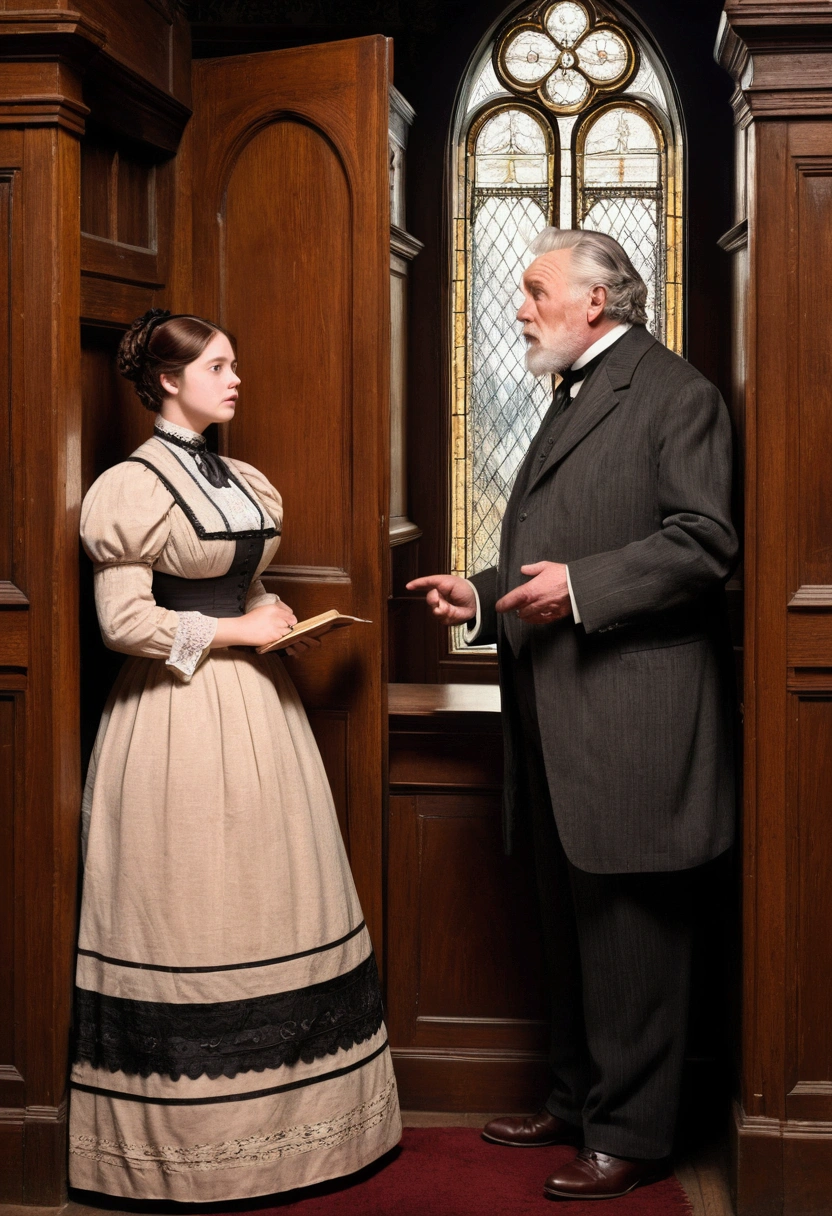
162,344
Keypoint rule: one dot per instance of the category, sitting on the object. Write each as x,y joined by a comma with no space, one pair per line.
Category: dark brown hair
159,344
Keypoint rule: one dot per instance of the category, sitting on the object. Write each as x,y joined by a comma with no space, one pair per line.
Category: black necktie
571,377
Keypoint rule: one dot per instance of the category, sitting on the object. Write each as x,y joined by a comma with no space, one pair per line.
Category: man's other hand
452,599
542,600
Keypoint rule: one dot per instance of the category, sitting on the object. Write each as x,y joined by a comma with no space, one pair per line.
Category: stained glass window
511,171
565,118
620,173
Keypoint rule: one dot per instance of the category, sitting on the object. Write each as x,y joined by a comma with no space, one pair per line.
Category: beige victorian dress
229,1039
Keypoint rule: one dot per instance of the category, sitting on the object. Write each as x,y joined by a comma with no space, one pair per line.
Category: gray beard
551,360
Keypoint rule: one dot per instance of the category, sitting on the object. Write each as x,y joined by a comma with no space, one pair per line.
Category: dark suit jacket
635,703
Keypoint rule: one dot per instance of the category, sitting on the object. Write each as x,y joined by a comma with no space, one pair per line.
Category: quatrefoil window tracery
566,56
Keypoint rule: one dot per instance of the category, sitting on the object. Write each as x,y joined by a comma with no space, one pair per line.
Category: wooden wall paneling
127,208
810,1080
466,1007
12,1084
98,212
781,58
51,272
44,53
14,660
38,640
139,83
291,252
142,34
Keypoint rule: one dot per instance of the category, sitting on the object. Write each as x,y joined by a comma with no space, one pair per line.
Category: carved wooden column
780,55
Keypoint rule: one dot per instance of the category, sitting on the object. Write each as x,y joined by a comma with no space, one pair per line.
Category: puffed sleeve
125,523
273,503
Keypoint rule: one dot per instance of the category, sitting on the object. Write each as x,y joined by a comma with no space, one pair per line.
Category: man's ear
170,384
597,303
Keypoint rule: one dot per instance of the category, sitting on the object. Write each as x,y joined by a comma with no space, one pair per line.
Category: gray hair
599,261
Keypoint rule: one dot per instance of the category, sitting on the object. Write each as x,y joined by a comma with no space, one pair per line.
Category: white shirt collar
607,340
173,428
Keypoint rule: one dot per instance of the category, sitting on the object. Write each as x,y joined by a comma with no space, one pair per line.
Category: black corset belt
220,597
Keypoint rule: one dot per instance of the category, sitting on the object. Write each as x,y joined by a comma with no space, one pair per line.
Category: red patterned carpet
452,1171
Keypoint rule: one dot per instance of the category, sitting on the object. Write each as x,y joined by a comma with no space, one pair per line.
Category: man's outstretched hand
452,599
543,599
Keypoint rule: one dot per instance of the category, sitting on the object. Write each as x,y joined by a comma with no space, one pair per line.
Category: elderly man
607,607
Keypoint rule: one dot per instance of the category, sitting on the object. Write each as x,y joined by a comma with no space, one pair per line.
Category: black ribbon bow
209,463
212,468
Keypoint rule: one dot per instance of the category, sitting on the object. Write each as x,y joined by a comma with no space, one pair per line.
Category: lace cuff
194,635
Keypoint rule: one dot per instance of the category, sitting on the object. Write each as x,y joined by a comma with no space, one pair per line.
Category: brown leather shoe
593,1175
532,1131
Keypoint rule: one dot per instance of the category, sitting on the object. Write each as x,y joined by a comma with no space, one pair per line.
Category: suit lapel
599,397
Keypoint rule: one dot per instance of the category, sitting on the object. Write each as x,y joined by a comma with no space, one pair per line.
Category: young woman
229,1034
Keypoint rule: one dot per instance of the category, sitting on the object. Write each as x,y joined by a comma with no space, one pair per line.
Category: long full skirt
229,1033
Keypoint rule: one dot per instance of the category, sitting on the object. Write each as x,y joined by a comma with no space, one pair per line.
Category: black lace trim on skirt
223,1039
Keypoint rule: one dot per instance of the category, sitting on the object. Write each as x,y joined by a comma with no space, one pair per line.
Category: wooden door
291,253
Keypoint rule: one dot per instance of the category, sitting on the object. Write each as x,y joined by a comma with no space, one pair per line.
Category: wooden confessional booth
267,190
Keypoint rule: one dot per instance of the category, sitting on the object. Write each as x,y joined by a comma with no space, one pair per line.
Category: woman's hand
260,627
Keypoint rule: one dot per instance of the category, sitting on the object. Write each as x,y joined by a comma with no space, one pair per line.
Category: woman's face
206,390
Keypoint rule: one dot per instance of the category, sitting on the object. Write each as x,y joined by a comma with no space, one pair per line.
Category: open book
313,627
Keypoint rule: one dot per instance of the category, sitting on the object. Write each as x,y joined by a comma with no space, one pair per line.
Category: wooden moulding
811,597
779,55
118,59
735,238
105,259
427,700
124,101
11,596
459,1080
781,1165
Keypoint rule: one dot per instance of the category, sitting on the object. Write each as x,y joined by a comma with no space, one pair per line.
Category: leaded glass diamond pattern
634,222
506,403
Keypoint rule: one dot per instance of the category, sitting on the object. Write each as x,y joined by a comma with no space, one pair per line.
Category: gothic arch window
565,117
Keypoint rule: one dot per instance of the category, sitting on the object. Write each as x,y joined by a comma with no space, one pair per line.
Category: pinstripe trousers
618,949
